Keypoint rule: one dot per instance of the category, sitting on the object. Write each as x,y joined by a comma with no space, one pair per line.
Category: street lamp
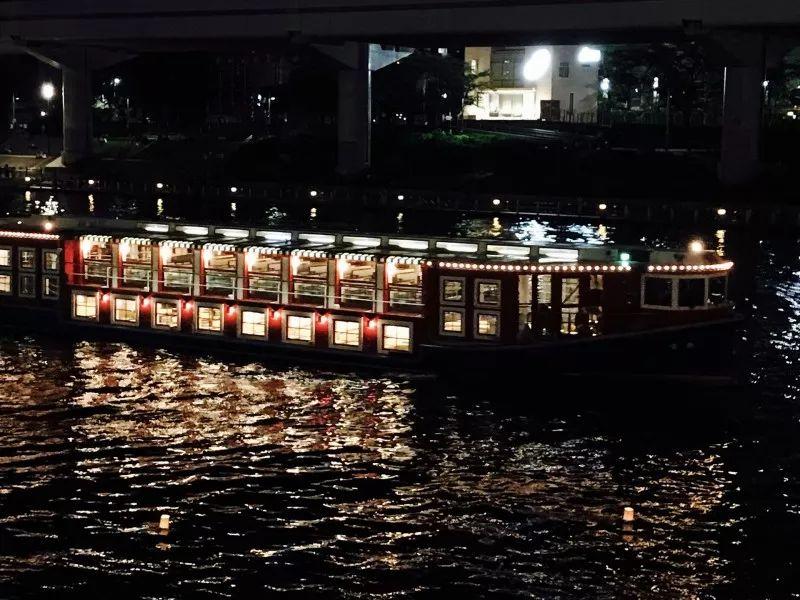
48,91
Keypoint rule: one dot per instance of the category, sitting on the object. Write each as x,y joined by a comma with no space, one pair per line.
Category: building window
487,325
27,285
692,292
717,290
50,286
5,257
209,318
347,333
50,261
396,337
657,291
27,258
167,314
5,283
487,292
126,311
451,322
299,328
452,290
563,69
84,306
506,68
254,323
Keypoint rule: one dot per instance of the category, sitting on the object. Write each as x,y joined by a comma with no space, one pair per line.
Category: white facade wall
522,99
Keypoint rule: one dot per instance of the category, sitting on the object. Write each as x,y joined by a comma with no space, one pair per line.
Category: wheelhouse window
254,322
5,283
177,262
136,260
717,290
96,253
264,276
356,280
309,279
27,259
692,292
27,285
404,283
50,261
84,306
50,286
658,291
395,337
487,292
166,314
5,256
126,310
299,329
209,318
219,264
487,324
346,333
452,290
451,322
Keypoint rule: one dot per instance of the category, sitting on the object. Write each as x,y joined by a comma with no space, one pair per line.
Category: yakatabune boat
381,299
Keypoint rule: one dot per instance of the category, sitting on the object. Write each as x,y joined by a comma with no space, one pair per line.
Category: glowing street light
605,85
48,91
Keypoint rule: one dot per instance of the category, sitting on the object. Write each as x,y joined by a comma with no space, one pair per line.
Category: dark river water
300,482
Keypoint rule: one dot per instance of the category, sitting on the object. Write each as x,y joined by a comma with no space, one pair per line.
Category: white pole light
537,65
589,56
48,91
605,85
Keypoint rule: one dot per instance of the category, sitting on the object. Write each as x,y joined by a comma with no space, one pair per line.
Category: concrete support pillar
355,114
742,55
741,124
77,98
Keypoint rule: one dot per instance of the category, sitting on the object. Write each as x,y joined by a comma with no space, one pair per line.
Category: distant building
536,82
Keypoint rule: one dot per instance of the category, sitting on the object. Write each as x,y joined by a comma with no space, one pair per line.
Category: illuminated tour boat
377,299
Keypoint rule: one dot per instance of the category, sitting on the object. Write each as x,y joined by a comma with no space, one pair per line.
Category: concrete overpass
80,37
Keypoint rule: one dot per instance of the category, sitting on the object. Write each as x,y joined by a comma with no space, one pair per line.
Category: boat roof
444,251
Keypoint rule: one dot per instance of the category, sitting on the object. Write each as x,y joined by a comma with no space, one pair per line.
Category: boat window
487,292
5,257
312,267
85,306
487,324
135,252
717,290
209,318
405,286
595,282
50,286
50,260
525,294
452,290
570,291
254,323
356,282
96,250
452,322
27,285
220,270
309,279
396,338
219,260
27,258
544,294
178,265
126,310
346,333
167,315
658,291
691,292
299,328
569,316
264,276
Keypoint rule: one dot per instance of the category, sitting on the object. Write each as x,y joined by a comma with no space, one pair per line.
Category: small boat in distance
406,301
